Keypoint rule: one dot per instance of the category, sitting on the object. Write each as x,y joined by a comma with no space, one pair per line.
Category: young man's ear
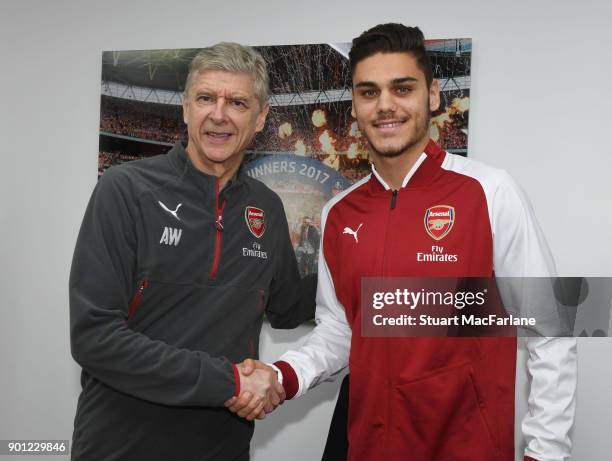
434,95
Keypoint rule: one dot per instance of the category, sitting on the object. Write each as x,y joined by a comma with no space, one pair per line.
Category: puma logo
348,230
172,212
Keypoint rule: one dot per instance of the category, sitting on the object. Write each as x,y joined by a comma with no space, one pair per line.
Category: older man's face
222,115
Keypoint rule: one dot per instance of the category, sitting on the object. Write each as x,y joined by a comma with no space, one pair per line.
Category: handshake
260,391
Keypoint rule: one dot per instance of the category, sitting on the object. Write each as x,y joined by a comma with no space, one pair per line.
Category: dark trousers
336,447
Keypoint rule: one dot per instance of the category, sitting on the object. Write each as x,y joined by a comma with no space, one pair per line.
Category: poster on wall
310,149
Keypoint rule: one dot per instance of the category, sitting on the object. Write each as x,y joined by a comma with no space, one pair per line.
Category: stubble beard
421,131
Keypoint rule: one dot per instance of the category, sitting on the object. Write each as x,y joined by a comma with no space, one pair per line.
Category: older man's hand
260,391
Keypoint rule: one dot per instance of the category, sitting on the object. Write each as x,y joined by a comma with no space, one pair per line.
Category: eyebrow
395,81
236,95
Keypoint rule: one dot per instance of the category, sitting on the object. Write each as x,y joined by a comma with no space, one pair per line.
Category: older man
177,260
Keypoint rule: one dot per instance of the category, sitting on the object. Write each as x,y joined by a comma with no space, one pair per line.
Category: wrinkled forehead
223,82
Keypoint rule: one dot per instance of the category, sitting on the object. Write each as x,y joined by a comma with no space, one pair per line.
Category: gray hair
232,57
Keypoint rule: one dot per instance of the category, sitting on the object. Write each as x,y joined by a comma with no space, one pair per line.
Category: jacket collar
421,172
179,159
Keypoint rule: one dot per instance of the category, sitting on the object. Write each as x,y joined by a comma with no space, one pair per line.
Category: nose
218,114
386,102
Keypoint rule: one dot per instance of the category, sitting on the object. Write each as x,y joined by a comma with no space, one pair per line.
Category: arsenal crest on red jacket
439,220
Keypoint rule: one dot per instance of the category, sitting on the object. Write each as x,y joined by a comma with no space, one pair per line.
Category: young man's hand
260,390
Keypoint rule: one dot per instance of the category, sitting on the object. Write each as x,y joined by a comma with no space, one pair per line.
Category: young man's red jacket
442,399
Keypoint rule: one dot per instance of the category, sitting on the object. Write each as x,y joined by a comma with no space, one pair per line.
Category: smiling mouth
218,136
388,124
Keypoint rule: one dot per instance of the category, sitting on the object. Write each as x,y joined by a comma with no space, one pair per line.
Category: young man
177,260
426,399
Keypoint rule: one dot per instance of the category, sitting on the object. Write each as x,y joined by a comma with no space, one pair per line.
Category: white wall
540,107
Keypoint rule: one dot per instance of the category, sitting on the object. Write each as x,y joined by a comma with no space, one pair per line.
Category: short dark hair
392,38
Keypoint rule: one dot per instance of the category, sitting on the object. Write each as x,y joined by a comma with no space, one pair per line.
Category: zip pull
143,285
219,220
219,223
393,199
212,275
218,208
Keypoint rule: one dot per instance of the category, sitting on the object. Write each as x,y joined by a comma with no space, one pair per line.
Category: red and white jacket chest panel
436,226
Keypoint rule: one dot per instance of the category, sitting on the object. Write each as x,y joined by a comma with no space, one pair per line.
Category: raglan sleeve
521,251
325,352
292,299
100,289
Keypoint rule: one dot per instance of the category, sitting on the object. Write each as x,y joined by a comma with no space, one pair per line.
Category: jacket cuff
290,380
237,380
529,458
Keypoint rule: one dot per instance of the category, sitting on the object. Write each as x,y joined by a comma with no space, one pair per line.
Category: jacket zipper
389,390
142,286
219,227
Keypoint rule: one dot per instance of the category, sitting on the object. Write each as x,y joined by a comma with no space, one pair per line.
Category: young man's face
392,103
222,115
